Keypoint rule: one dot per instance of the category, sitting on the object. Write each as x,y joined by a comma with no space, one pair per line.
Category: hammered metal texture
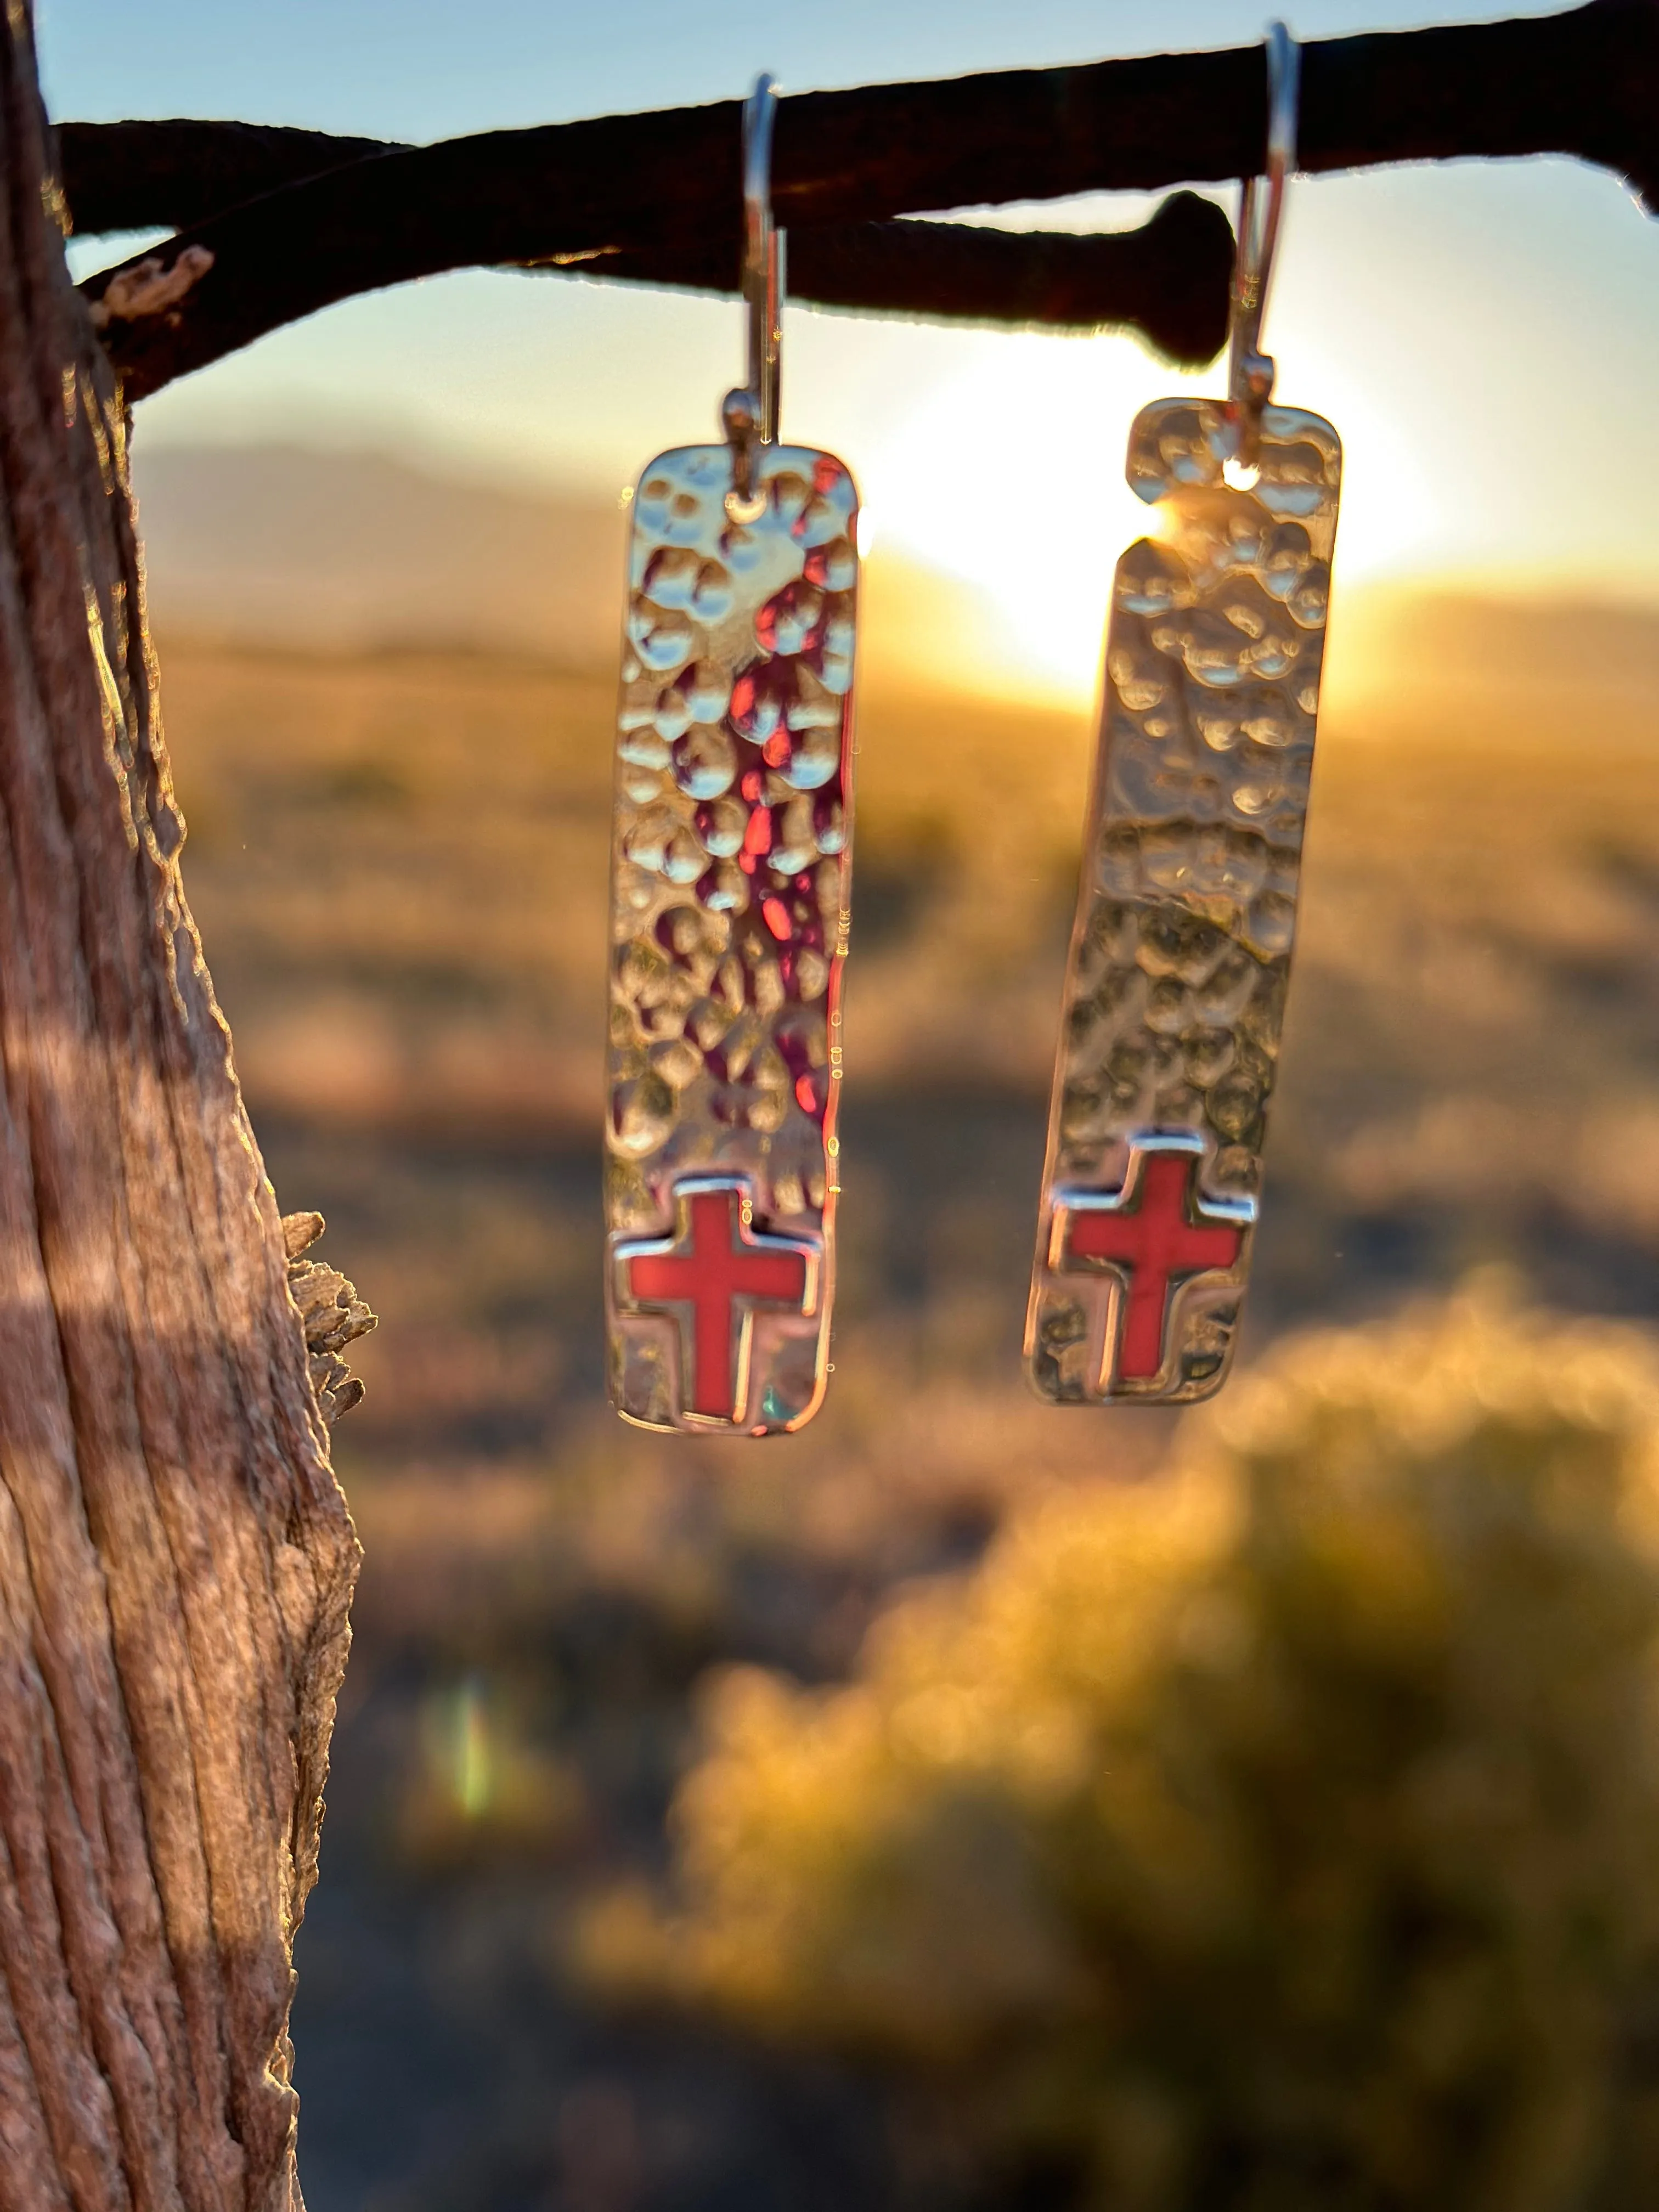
728,927
1174,988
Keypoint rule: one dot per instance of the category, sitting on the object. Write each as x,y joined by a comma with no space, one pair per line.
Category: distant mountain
1547,647
343,552
352,552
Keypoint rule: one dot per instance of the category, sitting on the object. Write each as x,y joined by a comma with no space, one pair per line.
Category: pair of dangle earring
1180,957
730,881
730,865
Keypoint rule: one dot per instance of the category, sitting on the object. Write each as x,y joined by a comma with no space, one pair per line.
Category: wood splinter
331,1314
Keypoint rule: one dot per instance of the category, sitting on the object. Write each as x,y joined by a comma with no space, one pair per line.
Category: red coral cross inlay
1162,1231
712,1274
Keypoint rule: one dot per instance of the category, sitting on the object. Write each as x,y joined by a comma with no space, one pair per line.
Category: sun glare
1008,476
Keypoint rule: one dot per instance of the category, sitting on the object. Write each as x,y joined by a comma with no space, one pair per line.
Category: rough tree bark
176,1559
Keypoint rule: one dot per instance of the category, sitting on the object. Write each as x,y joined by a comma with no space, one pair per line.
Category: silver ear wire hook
1250,371
748,415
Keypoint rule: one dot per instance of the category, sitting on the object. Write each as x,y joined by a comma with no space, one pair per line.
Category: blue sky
425,69
1483,335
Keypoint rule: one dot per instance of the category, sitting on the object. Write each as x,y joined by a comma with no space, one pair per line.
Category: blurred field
1279,1834
397,861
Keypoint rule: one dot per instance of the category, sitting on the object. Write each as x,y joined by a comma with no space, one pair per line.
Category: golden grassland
398,862
1278,1834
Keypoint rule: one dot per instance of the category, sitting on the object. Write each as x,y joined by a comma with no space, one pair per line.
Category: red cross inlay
1156,1227
717,1266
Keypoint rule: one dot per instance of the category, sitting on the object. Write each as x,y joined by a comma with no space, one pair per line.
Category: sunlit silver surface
728,928
731,852
1175,989
1249,370
750,412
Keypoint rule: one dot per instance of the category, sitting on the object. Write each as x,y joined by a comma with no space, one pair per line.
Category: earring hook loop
1249,370
750,413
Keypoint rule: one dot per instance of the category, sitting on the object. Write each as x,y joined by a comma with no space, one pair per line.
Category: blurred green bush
1280,1833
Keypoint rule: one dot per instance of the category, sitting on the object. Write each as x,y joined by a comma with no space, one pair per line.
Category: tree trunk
176,1560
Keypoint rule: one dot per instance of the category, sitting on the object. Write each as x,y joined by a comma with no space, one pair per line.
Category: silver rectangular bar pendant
1181,950
730,862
